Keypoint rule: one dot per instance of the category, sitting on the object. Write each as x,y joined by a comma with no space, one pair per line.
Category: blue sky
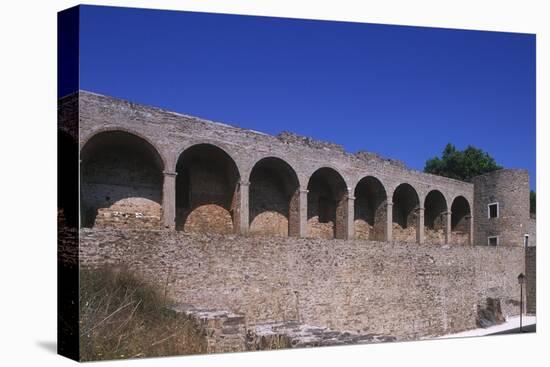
403,92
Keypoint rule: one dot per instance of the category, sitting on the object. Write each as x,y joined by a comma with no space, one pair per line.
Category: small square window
493,210
492,241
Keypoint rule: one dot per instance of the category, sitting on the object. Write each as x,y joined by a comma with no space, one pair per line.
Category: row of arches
123,184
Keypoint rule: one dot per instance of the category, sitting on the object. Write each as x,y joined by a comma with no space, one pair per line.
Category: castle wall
398,289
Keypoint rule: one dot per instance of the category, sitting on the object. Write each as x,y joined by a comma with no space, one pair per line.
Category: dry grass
121,316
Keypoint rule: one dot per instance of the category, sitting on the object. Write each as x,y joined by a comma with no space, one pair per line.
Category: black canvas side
67,184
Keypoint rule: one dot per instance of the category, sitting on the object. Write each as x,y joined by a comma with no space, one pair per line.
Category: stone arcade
289,229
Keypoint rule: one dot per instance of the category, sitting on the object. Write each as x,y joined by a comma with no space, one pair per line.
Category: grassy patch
121,316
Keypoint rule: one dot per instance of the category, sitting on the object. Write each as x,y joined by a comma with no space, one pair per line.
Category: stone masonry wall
510,189
205,189
403,290
370,210
269,204
531,279
532,232
459,237
121,185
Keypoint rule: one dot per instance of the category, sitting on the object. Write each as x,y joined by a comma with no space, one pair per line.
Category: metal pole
520,306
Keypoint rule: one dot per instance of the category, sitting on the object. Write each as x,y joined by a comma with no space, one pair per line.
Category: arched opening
404,213
435,208
206,184
326,212
121,182
273,198
67,180
370,209
460,220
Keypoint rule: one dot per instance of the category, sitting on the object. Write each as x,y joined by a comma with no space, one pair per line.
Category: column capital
304,191
448,212
169,173
351,197
420,209
244,183
389,203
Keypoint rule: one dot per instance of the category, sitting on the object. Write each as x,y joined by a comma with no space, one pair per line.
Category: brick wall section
510,188
531,279
403,290
223,331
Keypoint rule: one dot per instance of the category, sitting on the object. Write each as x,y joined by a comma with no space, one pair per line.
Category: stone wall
404,290
269,203
459,237
121,184
532,232
222,331
205,191
531,279
370,210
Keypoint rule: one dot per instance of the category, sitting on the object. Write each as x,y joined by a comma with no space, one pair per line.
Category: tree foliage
461,164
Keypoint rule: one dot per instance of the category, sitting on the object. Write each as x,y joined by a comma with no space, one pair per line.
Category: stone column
389,221
243,223
470,220
420,225
350,217
169,199
448,226
302,205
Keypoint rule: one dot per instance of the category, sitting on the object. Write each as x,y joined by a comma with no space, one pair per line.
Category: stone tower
501,208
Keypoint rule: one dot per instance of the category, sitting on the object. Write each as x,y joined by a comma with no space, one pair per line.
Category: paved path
525,329
508,327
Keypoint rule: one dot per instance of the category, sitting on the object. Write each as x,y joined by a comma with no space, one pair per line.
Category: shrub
122,316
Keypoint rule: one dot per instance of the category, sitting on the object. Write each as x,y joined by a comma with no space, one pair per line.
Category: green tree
533,203
461,164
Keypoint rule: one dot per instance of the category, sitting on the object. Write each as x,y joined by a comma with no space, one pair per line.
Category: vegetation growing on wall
461,164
